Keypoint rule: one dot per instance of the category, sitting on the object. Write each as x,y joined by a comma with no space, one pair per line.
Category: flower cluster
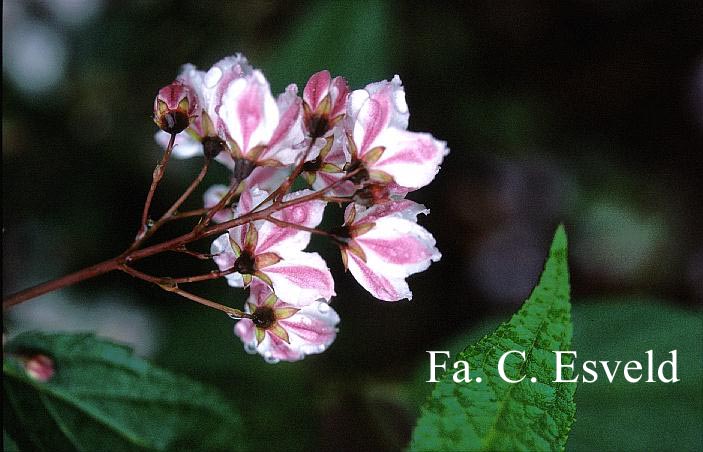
351,148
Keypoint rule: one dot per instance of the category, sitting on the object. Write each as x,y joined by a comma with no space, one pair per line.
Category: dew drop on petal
250,347
324,308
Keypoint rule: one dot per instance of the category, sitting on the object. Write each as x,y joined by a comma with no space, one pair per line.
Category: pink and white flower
204,134
380,145
174,107
383,245
280,331
273,253
324,103
259,128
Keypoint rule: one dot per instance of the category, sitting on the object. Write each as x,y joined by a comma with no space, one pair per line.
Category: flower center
245,264
212,146
341,235
318,125
264,317
174,122
361,176
313,165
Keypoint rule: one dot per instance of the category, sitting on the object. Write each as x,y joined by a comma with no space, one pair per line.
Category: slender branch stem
171,212
285,224
187,214
169,245
204,277
184,250
234,313
242,168
186,194
171,285
59,283
157,175
283,188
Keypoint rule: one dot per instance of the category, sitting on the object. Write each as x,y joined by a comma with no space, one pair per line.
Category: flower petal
412,158
184,147
275,238
385,288
301,278
398,247
249,112
316,88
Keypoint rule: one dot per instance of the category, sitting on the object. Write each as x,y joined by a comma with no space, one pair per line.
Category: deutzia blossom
352,148
274,254
383,245
281,331
377,117
324,103
204,136
259,128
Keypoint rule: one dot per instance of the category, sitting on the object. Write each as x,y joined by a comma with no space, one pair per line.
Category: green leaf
102,397
495,414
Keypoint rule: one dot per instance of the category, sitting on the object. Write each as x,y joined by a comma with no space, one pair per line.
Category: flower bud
39,367
173,107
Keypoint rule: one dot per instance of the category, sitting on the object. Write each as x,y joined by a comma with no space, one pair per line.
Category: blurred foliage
101,396
585,113
625,416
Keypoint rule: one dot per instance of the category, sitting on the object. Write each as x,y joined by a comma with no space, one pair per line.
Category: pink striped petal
398,247
312,329
339,90
301,278
288,134
403,208
249,112
281,240
316,89
411,158
390,97
384,288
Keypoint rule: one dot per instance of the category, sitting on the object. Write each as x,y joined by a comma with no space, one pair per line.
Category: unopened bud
173,107
39,367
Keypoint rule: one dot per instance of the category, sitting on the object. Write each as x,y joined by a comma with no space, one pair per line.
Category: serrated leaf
495,414
102,397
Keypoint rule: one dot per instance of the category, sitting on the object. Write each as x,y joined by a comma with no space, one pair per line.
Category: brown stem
184,250
186,194
171,212
186,214
205,277
234,313
169,245
171,285
285,224
283,188
242,168
59,283
156,178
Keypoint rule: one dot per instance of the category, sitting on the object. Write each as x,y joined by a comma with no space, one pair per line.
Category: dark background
582,112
